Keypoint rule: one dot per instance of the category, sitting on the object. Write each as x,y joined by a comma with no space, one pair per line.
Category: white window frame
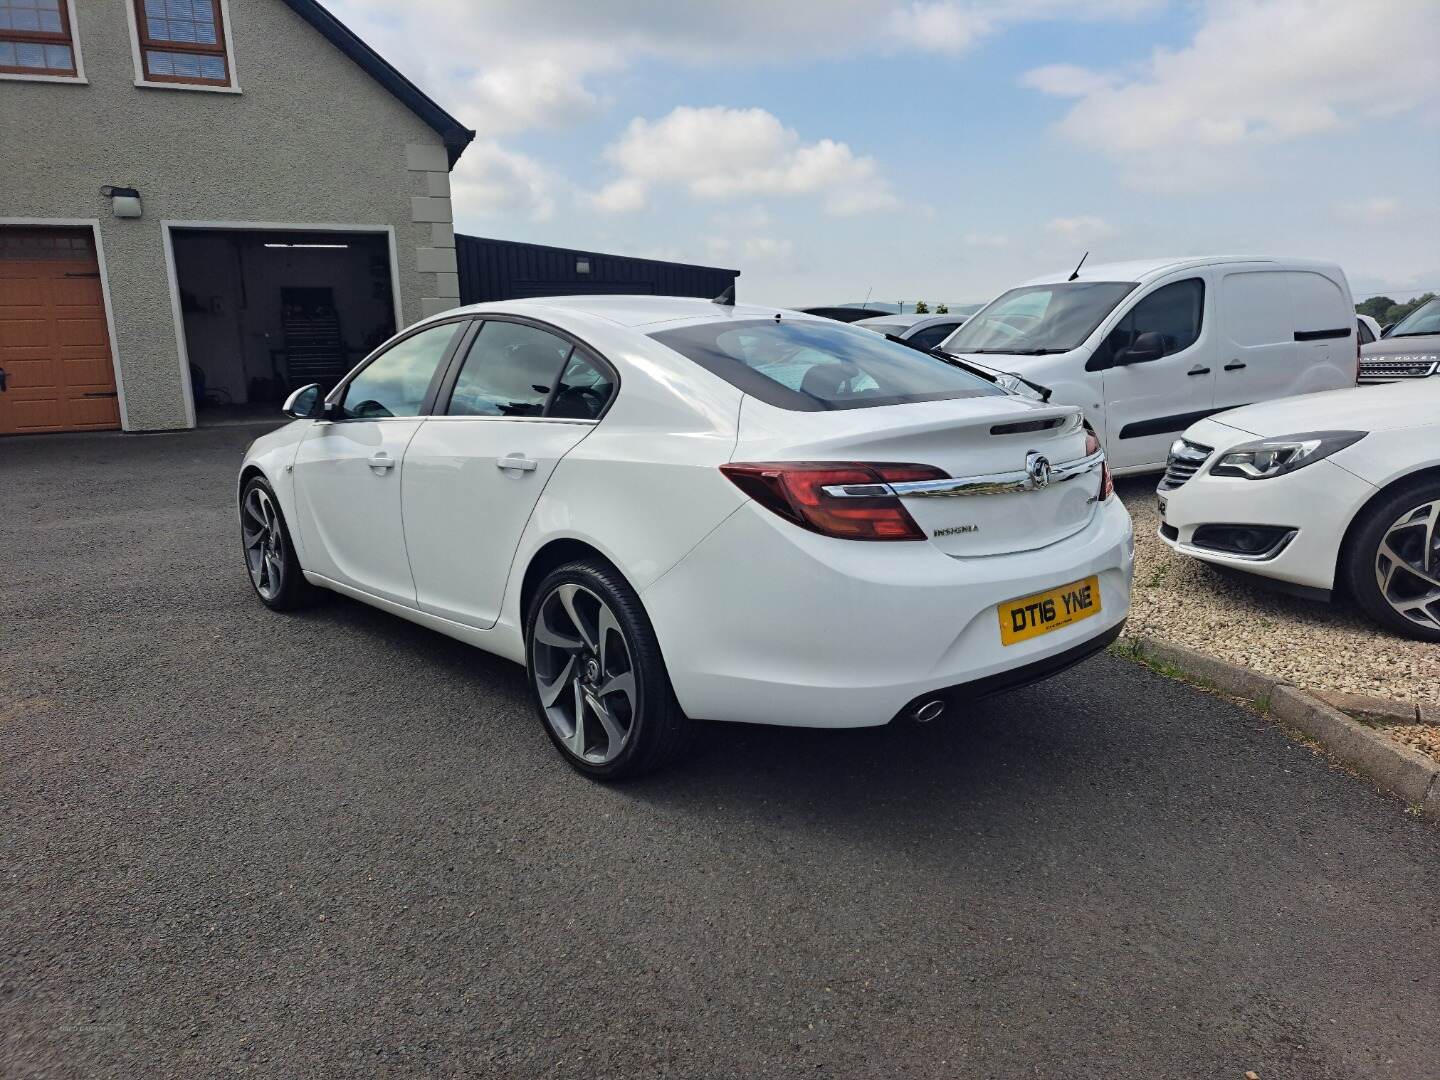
232,87
78,78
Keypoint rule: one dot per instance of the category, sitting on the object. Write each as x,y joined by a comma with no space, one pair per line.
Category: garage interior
267,311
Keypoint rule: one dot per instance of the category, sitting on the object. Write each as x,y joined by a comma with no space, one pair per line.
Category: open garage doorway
267,310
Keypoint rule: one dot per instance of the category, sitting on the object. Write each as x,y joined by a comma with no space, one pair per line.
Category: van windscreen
1037,319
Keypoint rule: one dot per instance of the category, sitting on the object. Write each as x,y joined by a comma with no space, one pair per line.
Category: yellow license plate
1031,616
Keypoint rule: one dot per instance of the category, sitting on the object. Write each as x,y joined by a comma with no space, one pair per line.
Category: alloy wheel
584,673
264,542
1407,565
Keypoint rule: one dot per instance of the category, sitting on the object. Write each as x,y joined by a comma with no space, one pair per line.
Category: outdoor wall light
582,266
124,201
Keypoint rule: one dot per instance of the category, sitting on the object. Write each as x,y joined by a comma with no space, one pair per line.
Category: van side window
1366,336
1174,312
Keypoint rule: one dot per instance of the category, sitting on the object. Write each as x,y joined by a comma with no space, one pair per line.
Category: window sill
15,76
147,84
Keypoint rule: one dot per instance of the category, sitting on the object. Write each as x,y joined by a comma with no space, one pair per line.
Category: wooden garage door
54,348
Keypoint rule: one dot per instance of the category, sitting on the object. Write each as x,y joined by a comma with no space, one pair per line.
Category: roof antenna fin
727,298
1076,272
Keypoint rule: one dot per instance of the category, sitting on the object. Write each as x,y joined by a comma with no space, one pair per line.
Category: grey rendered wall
310,139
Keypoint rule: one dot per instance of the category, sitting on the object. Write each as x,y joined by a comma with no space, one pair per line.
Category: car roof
893,320
1143,270
627,310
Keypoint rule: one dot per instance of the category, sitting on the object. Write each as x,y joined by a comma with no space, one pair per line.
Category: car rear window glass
810,365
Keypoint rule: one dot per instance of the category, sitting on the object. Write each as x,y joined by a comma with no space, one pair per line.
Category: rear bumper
767,623
1015,678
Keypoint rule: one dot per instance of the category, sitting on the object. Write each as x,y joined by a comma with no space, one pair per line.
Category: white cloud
940,26
1067,80
767,249
1373,211
1255,74
491,180
721,153
543,93
991,241
1084,227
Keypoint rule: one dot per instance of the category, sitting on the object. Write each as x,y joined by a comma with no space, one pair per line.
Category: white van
1148,348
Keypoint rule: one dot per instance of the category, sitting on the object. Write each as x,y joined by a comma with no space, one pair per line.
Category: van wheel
1392,565
597,677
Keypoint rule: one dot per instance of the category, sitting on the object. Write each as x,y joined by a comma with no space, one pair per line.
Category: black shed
508,270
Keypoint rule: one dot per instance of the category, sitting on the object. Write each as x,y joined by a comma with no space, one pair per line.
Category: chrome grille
1385,370
1186,457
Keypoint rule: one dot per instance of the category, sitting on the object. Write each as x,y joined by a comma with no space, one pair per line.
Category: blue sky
940,149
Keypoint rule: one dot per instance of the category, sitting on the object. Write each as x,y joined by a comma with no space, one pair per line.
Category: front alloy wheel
264,542
1407,566
1391,559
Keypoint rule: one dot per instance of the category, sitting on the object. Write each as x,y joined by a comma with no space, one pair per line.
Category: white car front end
1348,446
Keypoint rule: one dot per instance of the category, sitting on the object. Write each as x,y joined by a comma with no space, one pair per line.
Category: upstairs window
35,38
182,41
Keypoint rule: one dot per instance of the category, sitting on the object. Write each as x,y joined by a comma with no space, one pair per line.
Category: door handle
382,461
1234,365
1198,370
2,379
518,462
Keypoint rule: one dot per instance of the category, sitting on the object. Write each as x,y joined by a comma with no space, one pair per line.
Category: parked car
1330,491
1148,348
841,314
917,331
1410,351
671,510
1368,327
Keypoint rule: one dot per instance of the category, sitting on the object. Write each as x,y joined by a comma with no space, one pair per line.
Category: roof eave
455,135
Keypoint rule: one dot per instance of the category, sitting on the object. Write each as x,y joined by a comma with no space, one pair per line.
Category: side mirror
1147,346
303,404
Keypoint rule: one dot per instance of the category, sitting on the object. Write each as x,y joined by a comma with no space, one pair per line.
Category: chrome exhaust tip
928,711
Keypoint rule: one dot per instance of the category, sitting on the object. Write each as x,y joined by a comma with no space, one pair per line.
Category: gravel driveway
336,844
1316,646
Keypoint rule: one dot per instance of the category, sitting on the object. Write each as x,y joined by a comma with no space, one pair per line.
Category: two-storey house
204,203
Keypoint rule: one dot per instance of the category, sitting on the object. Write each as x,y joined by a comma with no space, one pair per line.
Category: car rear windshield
1039,318
810,365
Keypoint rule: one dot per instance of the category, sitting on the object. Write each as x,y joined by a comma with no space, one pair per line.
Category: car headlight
1275,457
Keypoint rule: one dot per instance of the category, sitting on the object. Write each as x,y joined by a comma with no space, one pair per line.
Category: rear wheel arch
553,554
1358,519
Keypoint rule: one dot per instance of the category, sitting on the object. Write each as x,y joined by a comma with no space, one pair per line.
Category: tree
922,308
1375,307
942,309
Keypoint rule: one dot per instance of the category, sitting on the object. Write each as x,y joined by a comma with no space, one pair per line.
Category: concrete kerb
1405,773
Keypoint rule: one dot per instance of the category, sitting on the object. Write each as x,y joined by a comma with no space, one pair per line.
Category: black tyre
269,554
1391,562
597,677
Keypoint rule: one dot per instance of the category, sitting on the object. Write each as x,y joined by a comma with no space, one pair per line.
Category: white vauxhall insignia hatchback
673,510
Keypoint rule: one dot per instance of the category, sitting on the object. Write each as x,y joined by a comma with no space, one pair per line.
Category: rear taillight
796,491
1092,443
1357,357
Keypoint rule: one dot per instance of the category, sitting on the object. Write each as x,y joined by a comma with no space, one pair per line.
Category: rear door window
510,370
809,365
931,336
